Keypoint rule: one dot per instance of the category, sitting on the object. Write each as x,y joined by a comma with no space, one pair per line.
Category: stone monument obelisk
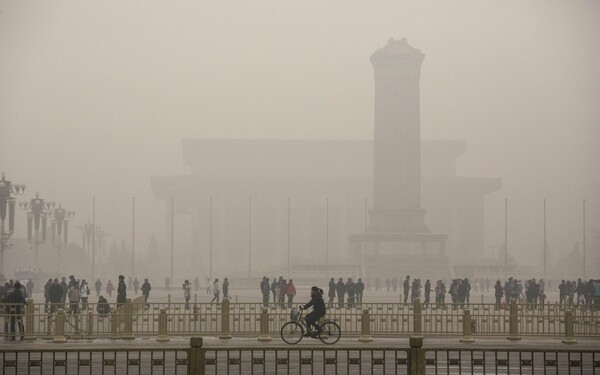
397,236
397,141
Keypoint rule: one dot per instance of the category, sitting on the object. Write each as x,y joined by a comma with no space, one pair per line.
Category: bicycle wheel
291,333
330,333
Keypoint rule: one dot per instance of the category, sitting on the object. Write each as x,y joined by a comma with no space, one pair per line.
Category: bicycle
292,332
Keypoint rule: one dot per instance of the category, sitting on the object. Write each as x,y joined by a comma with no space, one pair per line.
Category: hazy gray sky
96,96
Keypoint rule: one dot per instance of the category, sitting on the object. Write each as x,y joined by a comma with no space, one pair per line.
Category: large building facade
324,187
259,204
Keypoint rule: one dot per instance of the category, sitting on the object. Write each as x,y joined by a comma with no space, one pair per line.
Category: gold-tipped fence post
128,330
29,321
365,327
417,320
569,328
162,327
196,355
513,322
467,329
264,326
59,332
225,335
90,325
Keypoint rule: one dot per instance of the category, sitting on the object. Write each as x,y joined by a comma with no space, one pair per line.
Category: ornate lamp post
7,206
86,236
37,218
92,240
60,228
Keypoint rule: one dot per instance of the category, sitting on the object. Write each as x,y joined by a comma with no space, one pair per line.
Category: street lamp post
583,249
545,243
37,217
60,229
505,238
7,208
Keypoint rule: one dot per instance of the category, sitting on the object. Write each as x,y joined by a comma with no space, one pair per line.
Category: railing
95,361
244,319
198,359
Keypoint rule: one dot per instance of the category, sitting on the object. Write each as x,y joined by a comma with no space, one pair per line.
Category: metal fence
244,319
339,359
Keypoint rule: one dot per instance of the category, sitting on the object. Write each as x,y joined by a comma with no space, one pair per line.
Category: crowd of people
349,293
280,289
71,297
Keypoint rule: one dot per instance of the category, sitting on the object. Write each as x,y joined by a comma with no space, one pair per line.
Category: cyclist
316,301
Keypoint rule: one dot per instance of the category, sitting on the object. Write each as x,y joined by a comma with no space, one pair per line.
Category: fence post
569,328
114,324
76,332
195,363
90,326
417,320
128,329
59,333
49,327
264,326
365,327
513,322
467,331
162,327
29,321
169,302
416,356
225,320
400,300
482,298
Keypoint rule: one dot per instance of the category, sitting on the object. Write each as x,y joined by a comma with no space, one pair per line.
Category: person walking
121,291
350,291
136,285
282,289
216,291
74,298
98,286
16,303
498,293
225,288
427,292
84,293
65,290
265,289
406,288
187,293
340,288
360,288
29,287
331,293
47,295
274,290
146,288
291,292
109,288
55,294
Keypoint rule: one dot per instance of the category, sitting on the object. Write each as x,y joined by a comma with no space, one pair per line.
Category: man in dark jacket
331,293
146,288
16,301
265,289
406,288
360,287
121,291
55,293
351,291
318,305
340,288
